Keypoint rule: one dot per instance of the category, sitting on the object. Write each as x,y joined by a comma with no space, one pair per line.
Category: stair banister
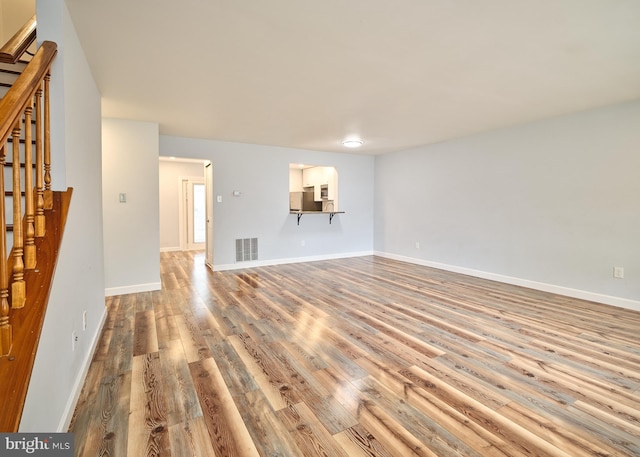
13,103
45,211
16,103
18,44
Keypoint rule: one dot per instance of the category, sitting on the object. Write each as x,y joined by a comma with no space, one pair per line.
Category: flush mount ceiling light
352,143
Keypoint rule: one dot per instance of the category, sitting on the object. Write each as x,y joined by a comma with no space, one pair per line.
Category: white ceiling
309,73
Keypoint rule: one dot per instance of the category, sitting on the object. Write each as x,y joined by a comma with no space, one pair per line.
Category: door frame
208,192
185,191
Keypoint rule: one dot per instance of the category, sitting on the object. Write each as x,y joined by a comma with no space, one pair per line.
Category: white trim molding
171,249
555,289
133,289
266,263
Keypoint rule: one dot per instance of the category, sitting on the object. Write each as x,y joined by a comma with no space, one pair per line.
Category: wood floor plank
193,342
433,435
311,437
265,370
342,390
190,439
391,433
86,422
182,402
269,433
444,414
522,440
114,415
102,348
560,433
228,433
145,338
166,326
362,356
120,352
148,428
356,441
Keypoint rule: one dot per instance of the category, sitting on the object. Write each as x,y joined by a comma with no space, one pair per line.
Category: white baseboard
134,289
178,248
65,421
555,289
266,263
171,249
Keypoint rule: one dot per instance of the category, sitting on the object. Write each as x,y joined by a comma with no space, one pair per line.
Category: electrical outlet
618,272
417,244
303,243
74,340
84,321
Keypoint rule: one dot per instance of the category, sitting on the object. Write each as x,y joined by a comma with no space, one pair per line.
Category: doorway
183,223
193,227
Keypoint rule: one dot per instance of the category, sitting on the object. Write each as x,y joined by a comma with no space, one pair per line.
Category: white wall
171,173
554,203
13,15
78,283
131,229
261,174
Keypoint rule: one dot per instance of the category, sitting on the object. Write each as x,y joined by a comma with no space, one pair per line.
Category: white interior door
208,185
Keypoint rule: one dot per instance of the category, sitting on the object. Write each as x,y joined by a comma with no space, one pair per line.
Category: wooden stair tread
10,164
10,140
10,72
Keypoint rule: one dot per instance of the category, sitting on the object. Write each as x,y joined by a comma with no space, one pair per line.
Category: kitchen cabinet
323,181
332,184
314,177
317,177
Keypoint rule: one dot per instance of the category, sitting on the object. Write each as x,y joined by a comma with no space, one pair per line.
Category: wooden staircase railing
18,129
19,43
36,220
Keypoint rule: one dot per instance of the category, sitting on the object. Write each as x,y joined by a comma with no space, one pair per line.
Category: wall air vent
246,249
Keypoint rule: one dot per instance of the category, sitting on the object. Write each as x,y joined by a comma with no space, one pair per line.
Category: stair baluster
6,331
18,292
40,221
29,213
48,195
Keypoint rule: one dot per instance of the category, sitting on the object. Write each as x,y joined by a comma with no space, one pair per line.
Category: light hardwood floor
358,357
